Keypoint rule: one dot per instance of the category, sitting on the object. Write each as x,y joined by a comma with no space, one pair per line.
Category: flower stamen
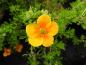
43,31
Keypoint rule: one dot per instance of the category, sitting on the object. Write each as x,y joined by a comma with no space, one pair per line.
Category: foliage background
69,14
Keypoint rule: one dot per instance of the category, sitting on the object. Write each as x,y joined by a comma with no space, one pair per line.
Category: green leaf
61,45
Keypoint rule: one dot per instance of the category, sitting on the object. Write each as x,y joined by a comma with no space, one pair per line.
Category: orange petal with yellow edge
44,20
47,42
31,30
35,42
53,29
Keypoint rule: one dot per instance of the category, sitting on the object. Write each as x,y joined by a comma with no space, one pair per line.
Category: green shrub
23,13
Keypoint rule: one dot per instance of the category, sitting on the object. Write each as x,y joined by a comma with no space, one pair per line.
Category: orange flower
6,52
42,32
19,48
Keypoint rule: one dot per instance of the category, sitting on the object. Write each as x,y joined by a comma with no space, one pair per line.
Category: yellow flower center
43,31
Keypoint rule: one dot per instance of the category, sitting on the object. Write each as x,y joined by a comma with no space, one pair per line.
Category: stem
50,60
35,3
48,4
32,50
33,55
44,51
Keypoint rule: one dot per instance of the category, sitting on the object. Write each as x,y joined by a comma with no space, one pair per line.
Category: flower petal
44,20
6,52
35,41
47,42
19,48
53,29
31,30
